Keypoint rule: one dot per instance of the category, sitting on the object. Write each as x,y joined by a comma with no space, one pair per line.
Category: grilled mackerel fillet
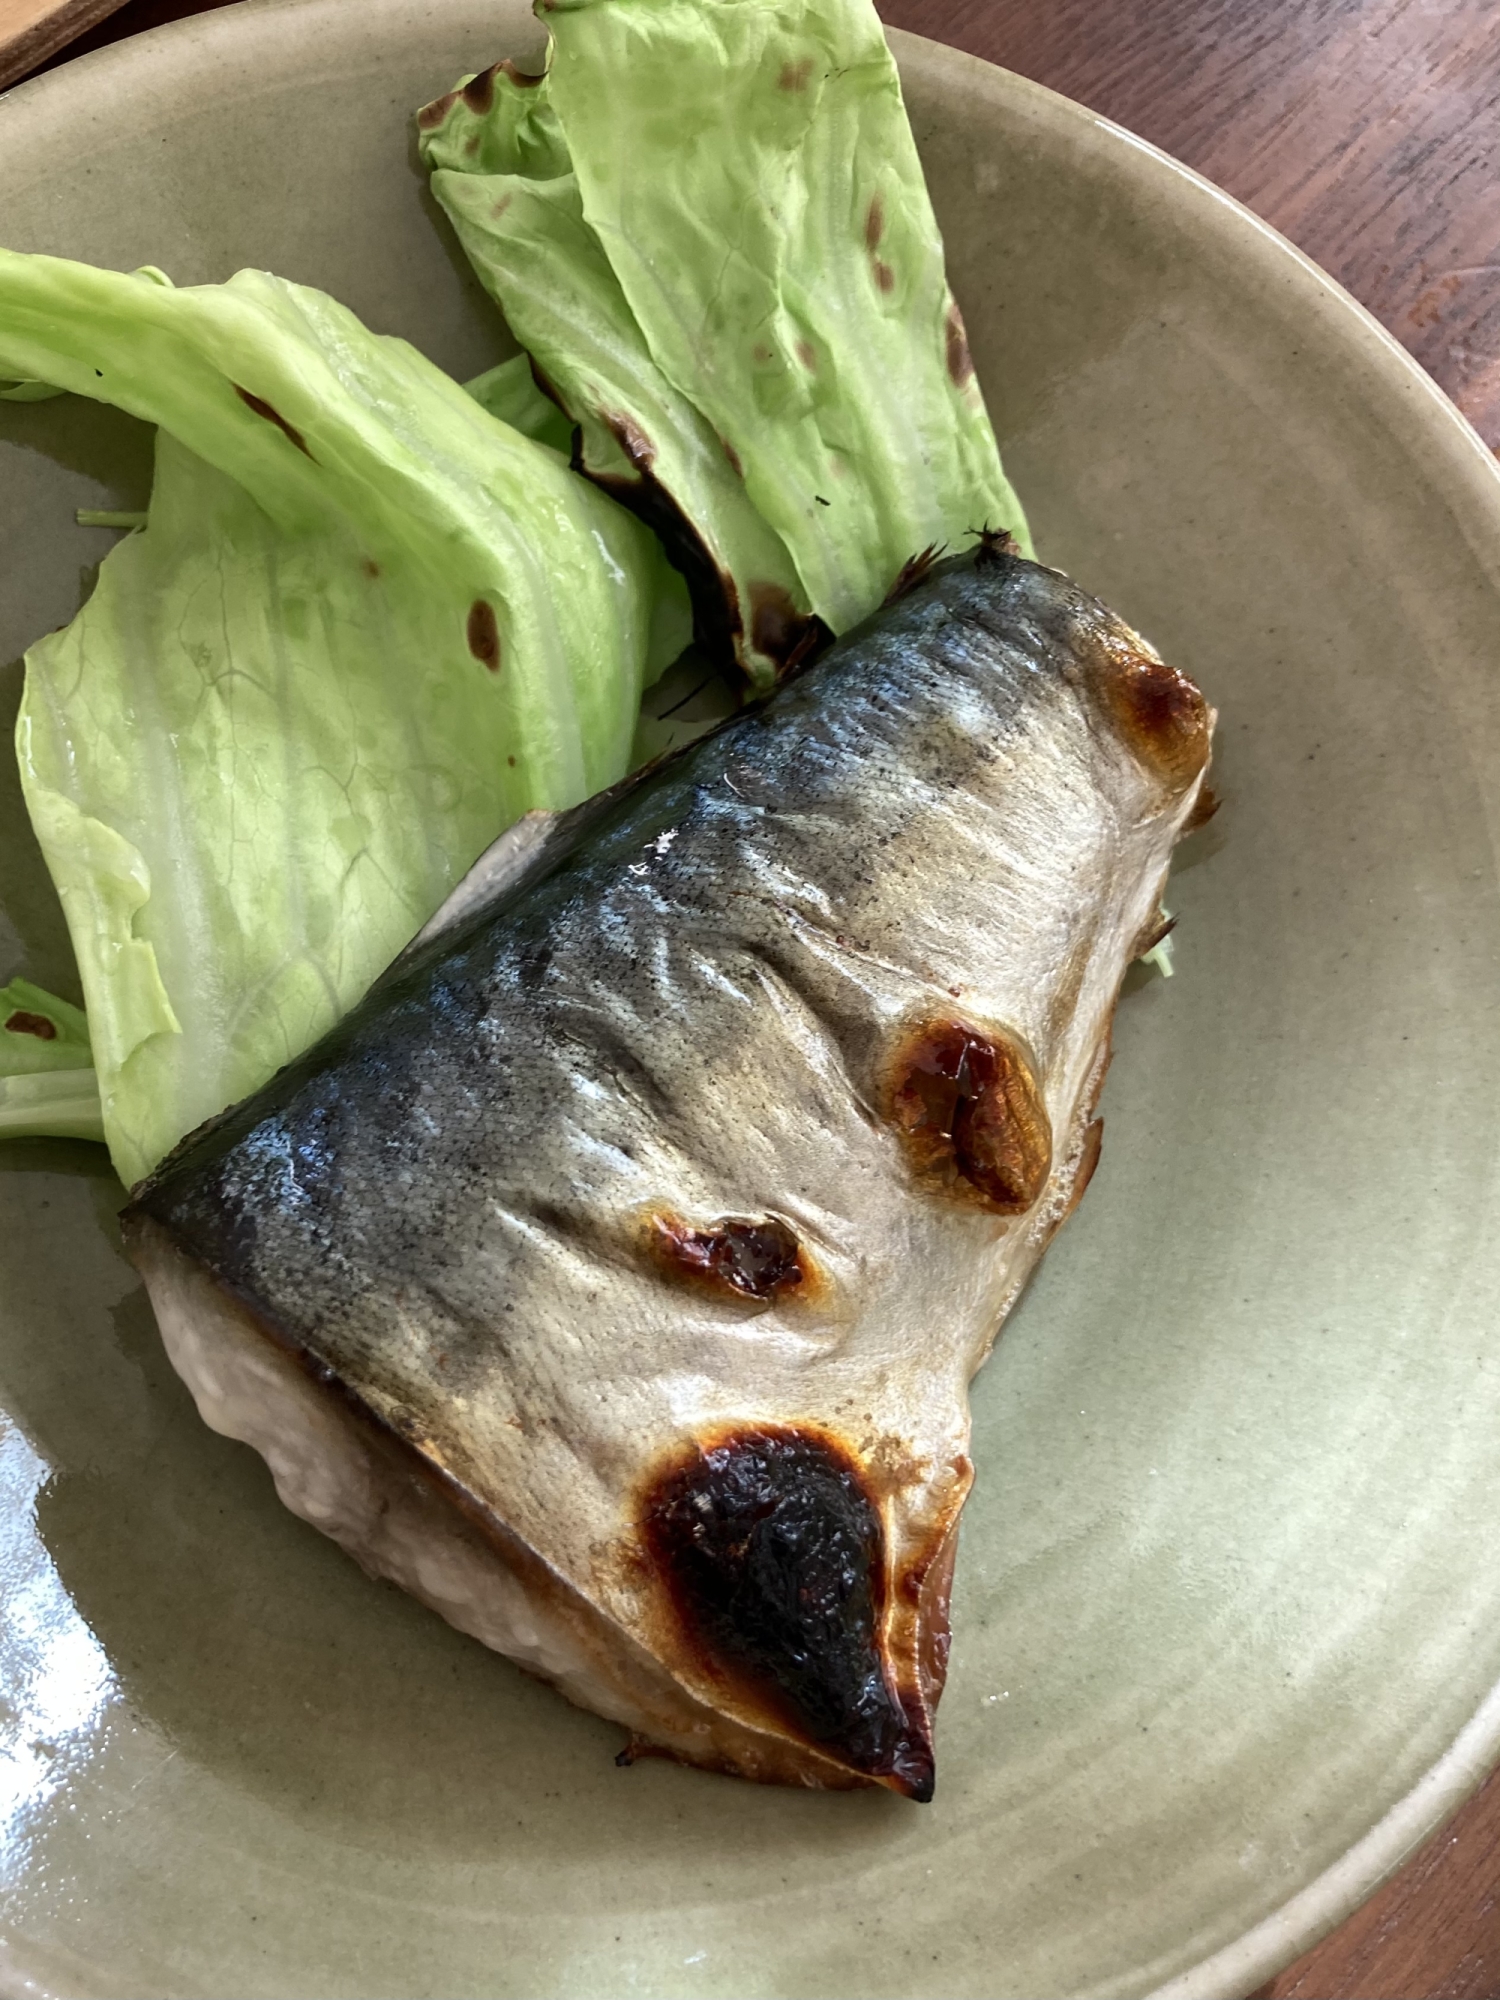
613,1277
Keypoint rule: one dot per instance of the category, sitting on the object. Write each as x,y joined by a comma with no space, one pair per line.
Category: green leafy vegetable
110,517
366,626
47,1082
509,392
28,392
40,1033
710,227
531,246
51,1104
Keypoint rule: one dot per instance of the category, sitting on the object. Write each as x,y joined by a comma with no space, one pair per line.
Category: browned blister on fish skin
734,1255
613,1277
967,1101
1158,711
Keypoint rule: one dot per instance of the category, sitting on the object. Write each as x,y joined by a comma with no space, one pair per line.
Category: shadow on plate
264,1655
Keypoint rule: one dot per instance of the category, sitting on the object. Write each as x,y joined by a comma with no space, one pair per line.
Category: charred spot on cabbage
23,1022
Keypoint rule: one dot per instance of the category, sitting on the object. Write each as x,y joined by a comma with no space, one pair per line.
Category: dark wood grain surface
1368,131
32,30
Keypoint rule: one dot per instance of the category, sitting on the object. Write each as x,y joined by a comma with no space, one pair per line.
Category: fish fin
531,847
913,571
994,543
504,865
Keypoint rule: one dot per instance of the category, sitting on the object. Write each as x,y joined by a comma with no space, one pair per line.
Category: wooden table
1369,132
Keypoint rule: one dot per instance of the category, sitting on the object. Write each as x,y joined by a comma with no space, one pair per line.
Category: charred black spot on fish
24,1023
484,634
432,115
795,75
780,631
273,416
960,361
479,92
773,1552
912,572
874,224
968,1105
755,1260
1159,713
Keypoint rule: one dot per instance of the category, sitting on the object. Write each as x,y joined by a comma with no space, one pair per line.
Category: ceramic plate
1228,1614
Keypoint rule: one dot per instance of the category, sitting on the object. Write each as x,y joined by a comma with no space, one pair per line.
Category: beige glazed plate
1228,1613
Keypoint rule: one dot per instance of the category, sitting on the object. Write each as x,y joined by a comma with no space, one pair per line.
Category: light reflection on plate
57,1682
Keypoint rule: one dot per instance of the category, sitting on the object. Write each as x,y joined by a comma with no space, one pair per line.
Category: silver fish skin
613,1277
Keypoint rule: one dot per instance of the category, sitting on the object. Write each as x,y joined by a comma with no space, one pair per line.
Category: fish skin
623,1197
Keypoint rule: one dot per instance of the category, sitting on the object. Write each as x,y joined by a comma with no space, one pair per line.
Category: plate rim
1321,1904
